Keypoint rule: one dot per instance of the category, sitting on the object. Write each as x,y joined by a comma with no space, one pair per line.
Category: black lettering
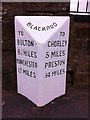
62,33
54,73
47,55
46,64
25,52
25,42
34,74
48,43
47,75
35,28
58,72
49,64
31,54
18,51
35,54
57,43
17,41
60,53
53,54
31,26
51,26
24,71
54,63
27,63
39,28
65,43
63,53
55,24
30,43
21,33
43,29
47,27
19,70
62,71
31,74
28,24
35,65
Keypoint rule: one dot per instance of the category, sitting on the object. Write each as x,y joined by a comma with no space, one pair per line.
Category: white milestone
41,56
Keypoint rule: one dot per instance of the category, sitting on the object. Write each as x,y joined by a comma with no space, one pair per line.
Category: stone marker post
41,56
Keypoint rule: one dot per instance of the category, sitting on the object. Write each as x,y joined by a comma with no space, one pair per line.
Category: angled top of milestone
41,28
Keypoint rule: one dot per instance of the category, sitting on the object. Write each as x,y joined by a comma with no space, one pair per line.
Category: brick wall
78,44
79,50
9,10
